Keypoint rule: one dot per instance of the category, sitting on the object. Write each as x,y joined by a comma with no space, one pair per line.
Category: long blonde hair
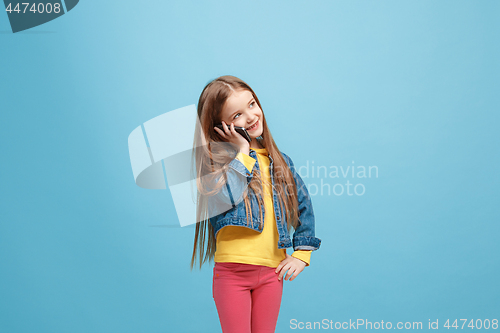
213,161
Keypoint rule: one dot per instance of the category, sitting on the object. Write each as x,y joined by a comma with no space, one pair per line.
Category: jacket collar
253,153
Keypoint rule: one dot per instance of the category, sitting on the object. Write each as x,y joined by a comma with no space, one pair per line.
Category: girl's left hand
293,265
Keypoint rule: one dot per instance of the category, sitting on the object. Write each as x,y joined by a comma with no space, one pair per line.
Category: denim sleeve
247,160
233,191
304,236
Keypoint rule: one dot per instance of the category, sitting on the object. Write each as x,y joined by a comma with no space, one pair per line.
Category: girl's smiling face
242,110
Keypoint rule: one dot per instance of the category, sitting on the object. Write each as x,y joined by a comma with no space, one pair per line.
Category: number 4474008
40,8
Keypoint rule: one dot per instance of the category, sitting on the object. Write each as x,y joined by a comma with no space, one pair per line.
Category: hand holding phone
237,135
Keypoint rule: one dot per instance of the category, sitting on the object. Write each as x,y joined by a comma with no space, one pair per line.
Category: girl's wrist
245,150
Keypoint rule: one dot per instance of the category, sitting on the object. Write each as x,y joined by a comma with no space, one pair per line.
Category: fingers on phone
229,128
221,132
226,129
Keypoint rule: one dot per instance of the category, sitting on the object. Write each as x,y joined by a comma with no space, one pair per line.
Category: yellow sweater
245,245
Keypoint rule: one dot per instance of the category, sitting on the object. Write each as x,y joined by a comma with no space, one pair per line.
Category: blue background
410,87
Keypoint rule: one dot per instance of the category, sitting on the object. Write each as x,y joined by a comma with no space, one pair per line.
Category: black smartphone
241,130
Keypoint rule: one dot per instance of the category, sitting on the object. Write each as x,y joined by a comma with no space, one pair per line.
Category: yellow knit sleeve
247,160
303,255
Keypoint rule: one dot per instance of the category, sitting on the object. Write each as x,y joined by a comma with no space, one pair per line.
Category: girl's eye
240,113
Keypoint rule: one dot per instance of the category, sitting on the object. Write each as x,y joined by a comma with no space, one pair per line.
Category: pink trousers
247,297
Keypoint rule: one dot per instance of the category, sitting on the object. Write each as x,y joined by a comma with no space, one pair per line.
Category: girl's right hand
230,135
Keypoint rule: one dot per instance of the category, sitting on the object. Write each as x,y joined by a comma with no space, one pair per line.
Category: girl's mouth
254,127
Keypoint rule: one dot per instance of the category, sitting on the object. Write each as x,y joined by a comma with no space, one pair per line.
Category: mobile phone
241,130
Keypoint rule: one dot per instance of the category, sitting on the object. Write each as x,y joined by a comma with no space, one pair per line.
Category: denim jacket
232,193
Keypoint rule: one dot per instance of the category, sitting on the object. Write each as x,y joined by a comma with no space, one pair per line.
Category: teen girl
264,196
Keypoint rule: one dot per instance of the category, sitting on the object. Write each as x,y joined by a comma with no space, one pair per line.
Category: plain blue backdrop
409,87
